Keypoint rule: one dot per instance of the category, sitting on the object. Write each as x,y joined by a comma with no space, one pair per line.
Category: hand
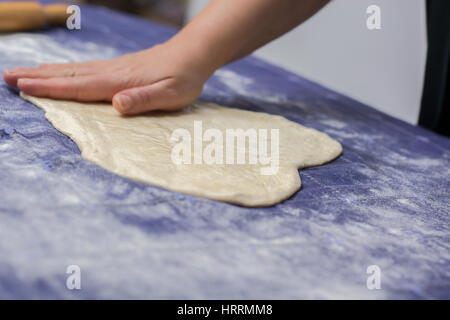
160,78
170,76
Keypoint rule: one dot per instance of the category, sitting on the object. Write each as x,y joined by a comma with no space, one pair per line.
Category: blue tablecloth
384,202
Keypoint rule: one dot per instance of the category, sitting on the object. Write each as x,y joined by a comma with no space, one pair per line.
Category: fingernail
12,71
124,102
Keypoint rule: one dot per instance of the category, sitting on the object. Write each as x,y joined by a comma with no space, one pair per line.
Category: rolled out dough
140,148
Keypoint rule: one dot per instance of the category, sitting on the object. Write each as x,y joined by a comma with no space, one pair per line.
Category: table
384,202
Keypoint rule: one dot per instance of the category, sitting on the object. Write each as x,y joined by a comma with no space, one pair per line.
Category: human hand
161,78
170,76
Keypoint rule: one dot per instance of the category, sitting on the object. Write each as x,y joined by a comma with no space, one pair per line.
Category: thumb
157,96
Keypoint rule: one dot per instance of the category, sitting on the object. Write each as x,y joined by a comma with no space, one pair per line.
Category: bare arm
232,29
171,75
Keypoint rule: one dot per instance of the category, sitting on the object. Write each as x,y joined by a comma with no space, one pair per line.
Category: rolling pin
30,15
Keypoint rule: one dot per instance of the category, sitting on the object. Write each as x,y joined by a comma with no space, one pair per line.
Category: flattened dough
140,148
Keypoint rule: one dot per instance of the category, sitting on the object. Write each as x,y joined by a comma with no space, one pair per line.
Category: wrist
198,53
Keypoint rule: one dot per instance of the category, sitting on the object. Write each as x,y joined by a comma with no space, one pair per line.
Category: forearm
227,30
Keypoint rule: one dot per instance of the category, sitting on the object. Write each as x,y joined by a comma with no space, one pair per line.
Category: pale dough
140,148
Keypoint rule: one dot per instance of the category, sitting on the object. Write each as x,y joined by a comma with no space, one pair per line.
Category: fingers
161,95
83,88
51,70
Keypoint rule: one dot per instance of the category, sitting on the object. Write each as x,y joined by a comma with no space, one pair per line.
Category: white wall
382,68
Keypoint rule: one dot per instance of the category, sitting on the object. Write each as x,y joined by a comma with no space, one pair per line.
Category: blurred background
382,68
170,12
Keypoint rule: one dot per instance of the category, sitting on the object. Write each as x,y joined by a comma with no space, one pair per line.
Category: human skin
170,75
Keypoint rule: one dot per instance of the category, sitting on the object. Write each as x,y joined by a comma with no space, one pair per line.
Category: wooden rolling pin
21,16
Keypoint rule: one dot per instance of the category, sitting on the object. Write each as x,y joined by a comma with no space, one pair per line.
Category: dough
142,148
